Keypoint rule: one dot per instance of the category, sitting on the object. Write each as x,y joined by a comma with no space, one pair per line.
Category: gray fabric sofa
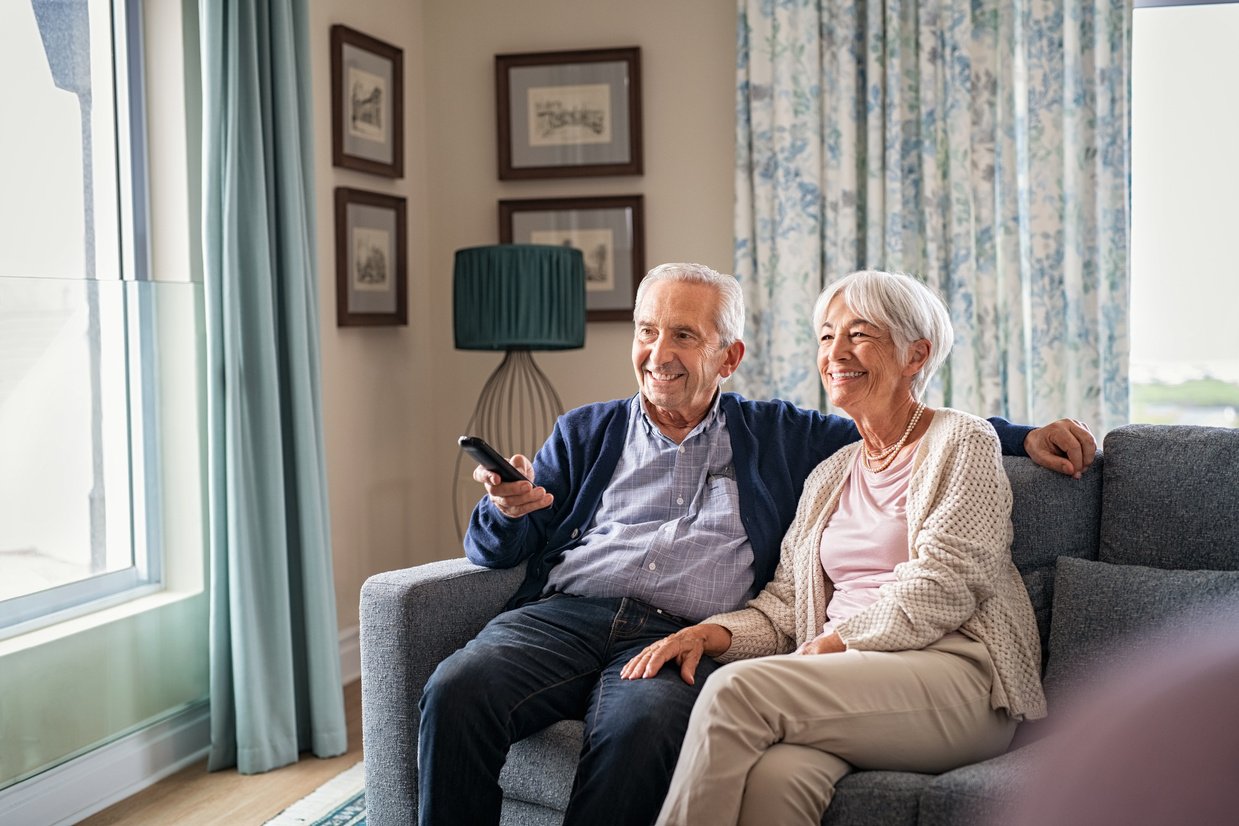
1163,497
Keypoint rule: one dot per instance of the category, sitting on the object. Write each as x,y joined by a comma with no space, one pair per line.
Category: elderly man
642,516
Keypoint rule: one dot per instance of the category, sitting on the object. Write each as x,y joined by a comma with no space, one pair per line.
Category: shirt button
681,448
575,532
680,501
653,566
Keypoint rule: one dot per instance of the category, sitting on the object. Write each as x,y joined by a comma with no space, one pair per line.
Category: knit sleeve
779,616
958,551
766,626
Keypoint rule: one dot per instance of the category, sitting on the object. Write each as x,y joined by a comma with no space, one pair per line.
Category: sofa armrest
411,620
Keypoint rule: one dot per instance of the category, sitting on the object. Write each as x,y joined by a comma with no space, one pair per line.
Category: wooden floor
194,796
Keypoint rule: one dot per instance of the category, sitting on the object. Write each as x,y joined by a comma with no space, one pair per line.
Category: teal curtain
275,669
981,145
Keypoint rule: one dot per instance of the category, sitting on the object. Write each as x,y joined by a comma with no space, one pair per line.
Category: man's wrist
1011,436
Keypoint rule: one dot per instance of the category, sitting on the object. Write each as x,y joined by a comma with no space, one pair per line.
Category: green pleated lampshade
519,297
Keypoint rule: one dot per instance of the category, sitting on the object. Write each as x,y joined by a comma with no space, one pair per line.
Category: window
1185,214
75,353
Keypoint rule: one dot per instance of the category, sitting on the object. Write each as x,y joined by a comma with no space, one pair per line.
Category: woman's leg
926,710
790,785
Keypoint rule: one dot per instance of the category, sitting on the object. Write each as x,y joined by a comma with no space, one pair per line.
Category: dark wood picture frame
371,259
610,232
582,107
367,103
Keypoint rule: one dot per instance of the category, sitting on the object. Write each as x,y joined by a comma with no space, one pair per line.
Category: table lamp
517,298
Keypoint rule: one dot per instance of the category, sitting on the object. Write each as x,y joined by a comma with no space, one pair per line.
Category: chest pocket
720,506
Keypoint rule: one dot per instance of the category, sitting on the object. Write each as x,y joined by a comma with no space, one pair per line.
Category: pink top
866,537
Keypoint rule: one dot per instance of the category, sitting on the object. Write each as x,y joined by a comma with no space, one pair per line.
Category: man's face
676,348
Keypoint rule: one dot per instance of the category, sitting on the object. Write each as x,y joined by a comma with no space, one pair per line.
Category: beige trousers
770,737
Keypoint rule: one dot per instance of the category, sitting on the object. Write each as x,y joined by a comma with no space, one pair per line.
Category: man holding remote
641,516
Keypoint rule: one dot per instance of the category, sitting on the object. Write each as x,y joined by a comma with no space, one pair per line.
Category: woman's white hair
729,320
903,306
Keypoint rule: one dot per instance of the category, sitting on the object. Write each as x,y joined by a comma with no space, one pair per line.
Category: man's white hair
728,320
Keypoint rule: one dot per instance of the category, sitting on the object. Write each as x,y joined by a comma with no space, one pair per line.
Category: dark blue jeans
552,660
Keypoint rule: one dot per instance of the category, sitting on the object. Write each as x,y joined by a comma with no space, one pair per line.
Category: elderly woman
910,638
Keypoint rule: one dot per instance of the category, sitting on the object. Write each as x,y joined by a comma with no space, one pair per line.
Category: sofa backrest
1053,515
1161,496
1171,497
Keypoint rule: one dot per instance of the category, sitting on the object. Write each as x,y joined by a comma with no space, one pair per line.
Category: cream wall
396,399
374,413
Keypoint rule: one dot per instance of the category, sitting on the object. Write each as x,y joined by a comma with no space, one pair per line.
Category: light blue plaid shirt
668,529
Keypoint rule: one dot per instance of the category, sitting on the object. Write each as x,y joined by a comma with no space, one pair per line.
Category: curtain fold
980,145
275,670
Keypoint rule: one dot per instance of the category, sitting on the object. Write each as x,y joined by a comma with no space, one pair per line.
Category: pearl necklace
889,453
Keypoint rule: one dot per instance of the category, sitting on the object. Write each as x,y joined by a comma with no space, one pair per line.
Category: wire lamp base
515,413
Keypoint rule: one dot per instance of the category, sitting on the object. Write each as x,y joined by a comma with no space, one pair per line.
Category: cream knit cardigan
959,574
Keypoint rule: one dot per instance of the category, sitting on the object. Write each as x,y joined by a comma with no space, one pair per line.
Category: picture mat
570,223
597,247
566,115
379,150
538,81
362,122
371,264
373,222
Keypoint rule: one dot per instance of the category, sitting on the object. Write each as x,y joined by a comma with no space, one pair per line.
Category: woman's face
859,363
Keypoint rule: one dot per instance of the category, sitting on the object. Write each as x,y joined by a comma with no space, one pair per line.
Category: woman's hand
685,646
823,644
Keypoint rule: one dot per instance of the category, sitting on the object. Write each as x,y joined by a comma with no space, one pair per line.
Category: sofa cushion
980,793
1156,744
1171,497
516,813
541,768
1102,612
876,798
1040,587
1053,515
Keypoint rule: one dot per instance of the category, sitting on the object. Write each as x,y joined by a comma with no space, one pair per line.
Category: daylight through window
72,334
1185,214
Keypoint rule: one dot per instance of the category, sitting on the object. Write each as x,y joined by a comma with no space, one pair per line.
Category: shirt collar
711,419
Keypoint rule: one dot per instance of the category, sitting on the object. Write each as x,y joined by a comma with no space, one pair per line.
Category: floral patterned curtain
981,145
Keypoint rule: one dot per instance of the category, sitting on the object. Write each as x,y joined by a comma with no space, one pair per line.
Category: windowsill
94,619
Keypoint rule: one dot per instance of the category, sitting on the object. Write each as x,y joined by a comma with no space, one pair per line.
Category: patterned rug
341,801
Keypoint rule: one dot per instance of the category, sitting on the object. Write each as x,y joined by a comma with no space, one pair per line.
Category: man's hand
514,499
1066,446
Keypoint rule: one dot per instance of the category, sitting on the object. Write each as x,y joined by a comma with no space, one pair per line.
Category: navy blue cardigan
775,445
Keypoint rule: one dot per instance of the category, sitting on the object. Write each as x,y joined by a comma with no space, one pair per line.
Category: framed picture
569,114
609,232
371,259
367,103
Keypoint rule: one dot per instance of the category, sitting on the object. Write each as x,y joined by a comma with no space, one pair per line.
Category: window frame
135,317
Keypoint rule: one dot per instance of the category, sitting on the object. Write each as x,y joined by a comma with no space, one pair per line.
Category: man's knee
459,682
648,717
